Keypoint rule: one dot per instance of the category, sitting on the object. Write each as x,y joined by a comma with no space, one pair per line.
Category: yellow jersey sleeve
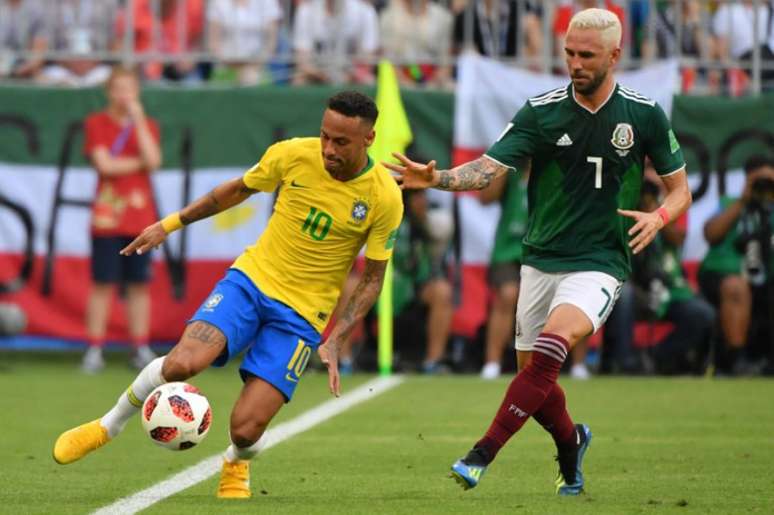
267,173
384,230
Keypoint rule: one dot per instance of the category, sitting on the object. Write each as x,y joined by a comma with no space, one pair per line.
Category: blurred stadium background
226,78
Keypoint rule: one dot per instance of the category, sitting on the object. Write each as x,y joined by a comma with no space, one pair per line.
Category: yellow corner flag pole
393,134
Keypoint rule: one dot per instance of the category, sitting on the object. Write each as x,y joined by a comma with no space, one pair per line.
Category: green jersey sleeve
661,145
518,141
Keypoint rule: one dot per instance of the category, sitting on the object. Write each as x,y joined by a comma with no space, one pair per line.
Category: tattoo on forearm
475,175
206,333
201,208
364,296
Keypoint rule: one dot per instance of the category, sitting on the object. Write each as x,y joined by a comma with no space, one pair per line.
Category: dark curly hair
353,103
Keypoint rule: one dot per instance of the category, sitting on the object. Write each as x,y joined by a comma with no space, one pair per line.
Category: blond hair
602,20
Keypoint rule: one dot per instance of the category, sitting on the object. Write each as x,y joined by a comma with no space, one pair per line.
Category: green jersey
723,257
585,165
513,222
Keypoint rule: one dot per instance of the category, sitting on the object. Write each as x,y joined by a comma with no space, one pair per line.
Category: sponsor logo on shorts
212,302
291,378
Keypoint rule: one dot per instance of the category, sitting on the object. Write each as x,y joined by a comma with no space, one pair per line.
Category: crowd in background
338,41
719,320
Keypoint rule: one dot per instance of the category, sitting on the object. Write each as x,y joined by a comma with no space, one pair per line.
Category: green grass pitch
660,446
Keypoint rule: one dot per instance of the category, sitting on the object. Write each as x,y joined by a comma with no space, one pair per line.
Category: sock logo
517,411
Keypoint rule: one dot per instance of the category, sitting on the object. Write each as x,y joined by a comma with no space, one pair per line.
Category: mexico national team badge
359,210
623,138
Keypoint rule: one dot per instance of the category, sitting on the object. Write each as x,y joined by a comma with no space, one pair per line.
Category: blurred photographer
734,276
662,293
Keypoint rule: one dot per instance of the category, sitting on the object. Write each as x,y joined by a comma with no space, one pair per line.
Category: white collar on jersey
612,91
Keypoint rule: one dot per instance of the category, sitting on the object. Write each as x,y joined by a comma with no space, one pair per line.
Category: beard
592,85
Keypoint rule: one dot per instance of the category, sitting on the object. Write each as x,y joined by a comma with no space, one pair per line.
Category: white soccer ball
176,416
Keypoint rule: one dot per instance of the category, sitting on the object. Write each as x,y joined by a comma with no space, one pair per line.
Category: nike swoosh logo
290,378
296,185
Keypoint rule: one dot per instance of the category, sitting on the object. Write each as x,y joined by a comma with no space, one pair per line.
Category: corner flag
393,134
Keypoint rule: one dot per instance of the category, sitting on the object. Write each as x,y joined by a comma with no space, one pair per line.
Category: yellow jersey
318,227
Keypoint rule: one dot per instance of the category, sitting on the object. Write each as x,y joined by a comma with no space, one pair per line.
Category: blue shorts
278,340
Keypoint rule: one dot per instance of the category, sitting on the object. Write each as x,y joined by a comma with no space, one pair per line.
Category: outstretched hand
644,230
330,357
150,238
411,175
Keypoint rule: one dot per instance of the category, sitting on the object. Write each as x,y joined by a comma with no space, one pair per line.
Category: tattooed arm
224,196
363,298
474,175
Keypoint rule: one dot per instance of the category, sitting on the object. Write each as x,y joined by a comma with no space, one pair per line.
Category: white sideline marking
211,466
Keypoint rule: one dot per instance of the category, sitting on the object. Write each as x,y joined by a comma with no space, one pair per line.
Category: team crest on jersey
623,138
211,303
359,210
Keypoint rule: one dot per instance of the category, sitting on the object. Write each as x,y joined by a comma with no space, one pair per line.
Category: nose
328,149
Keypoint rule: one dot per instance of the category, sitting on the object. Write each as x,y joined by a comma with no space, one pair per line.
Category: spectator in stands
504,28
80,28
22,29
177,30
416,36
738,27
723,278
243,35
618,355
662,293
694,19
122,144
694,38
504,268
335,41
564,13
421,288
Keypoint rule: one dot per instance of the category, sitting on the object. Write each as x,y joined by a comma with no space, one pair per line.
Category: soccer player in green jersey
587,144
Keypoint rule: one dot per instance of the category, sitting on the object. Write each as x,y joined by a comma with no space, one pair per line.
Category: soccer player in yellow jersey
278,295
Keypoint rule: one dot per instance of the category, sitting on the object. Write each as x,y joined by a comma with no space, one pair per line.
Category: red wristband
662,212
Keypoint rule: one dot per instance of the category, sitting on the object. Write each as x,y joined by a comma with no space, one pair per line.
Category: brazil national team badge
359,210
623,138
212,302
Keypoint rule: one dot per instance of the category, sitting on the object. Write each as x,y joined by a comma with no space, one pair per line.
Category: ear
370,137
615,56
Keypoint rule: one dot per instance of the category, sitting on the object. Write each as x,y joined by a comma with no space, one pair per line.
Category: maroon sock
95,341
527,392
555,419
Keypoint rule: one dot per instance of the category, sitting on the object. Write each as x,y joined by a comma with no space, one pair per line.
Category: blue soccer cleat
570,478
469,470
